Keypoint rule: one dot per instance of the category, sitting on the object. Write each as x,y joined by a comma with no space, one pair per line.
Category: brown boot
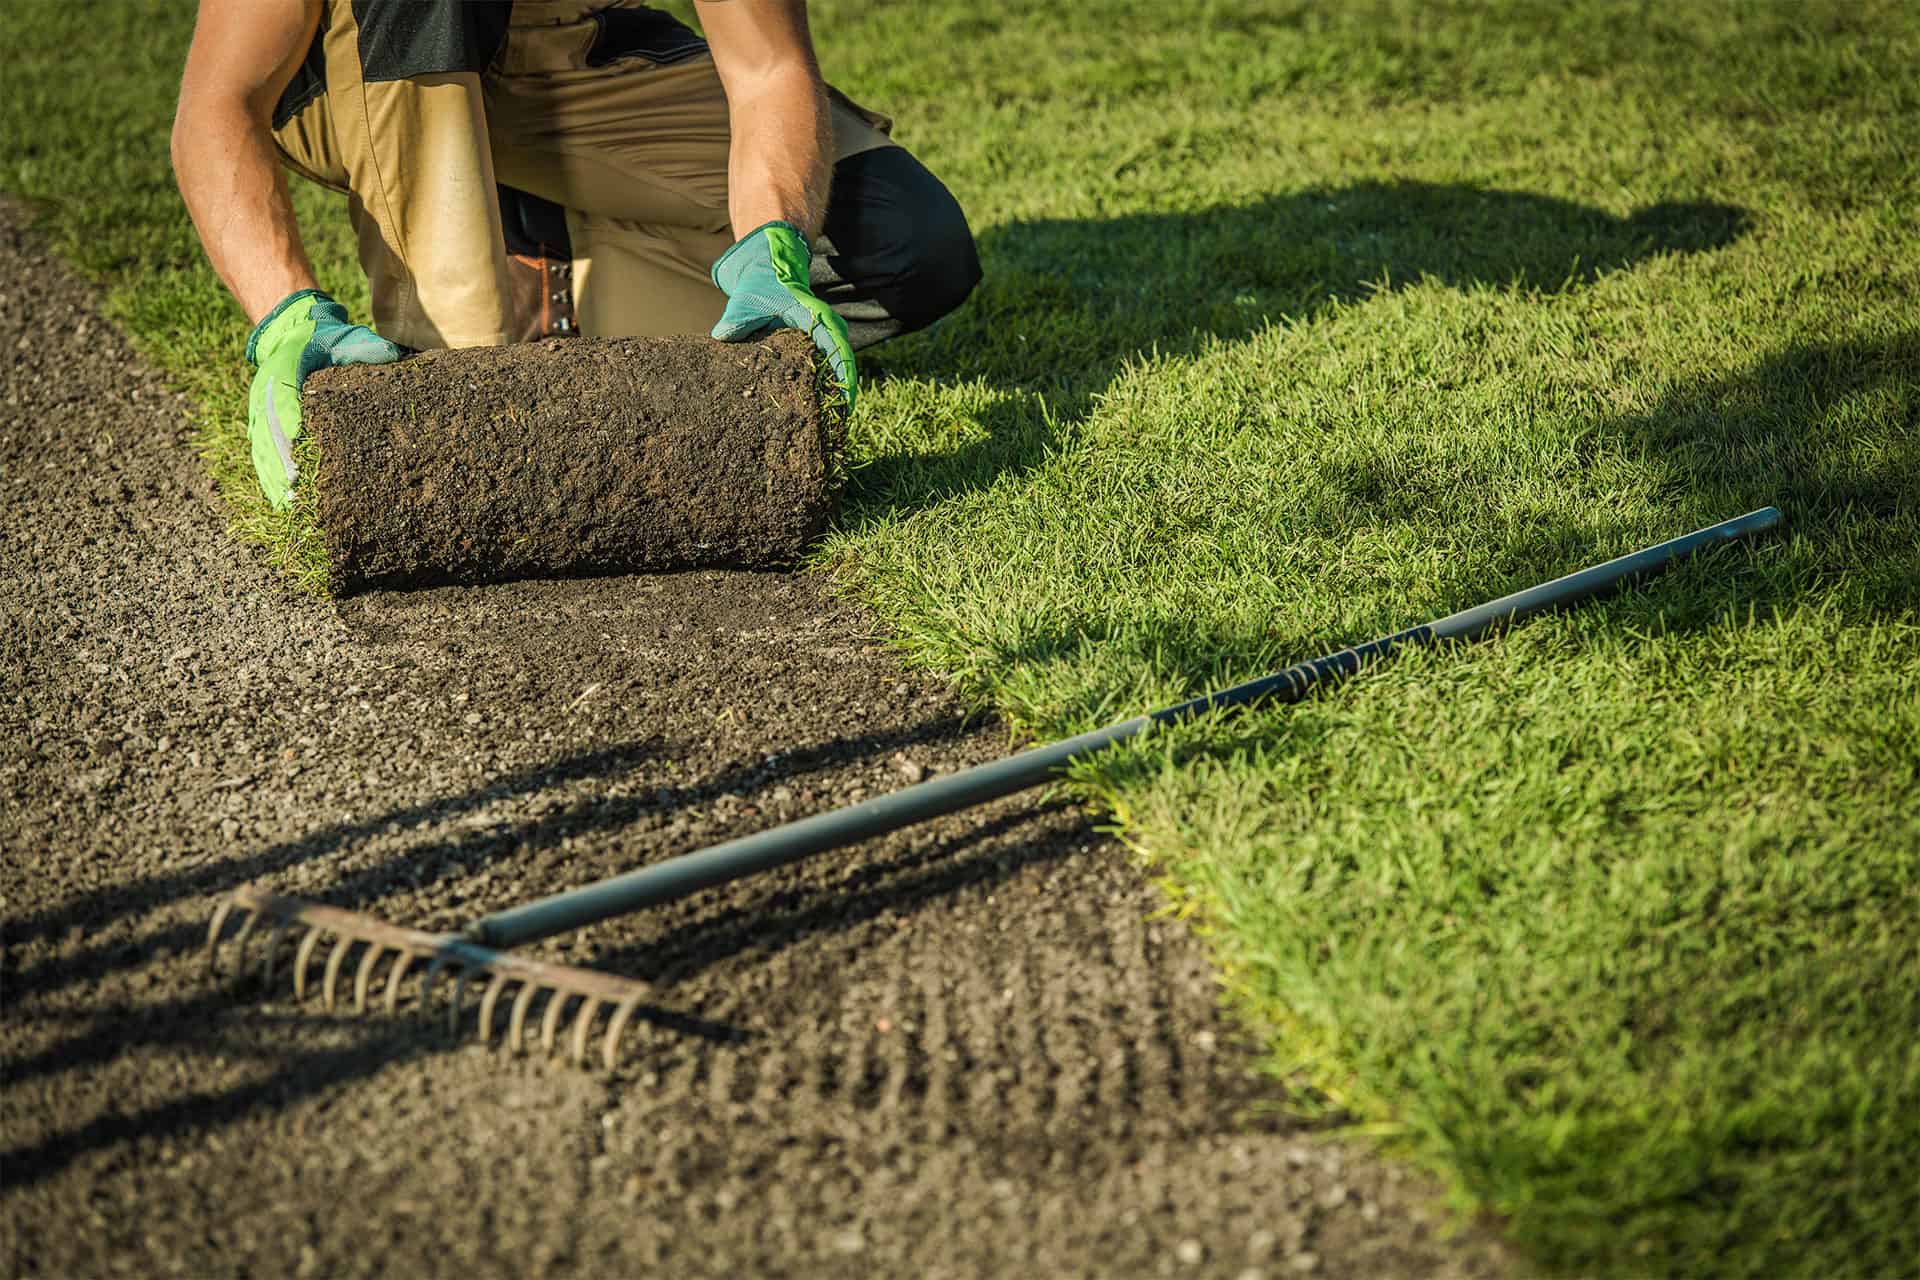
539,267
542,297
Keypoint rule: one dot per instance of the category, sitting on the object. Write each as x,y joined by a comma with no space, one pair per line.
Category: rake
275,925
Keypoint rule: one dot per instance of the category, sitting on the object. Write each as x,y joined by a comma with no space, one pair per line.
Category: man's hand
306,332
777,171
767,279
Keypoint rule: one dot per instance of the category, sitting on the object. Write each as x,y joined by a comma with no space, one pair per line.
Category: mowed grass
1303,323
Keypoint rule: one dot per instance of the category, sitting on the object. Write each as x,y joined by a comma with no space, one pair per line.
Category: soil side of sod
569,457
968,1049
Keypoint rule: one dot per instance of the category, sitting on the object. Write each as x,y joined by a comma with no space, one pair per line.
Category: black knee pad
898,238
533,226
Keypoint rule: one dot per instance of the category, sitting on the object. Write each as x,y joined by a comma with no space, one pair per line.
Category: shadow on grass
1829,433
1066,304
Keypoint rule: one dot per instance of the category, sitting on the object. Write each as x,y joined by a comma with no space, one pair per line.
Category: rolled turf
566,458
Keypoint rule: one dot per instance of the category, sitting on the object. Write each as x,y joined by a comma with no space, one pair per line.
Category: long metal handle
689,873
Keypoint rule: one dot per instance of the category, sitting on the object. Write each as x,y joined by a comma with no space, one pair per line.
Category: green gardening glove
767,279
306,332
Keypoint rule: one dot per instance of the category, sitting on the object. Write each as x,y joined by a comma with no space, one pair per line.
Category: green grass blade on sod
1305,323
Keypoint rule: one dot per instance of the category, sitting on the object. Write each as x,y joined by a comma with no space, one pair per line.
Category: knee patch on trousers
897,238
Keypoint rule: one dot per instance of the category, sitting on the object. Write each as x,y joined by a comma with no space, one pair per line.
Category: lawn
1305,322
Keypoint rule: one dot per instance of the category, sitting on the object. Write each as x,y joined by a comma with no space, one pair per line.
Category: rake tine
488,1001
402,963
241,941
218,923
550,1025
517,1024
616,1028
303,960
363,976
582,1026
330,987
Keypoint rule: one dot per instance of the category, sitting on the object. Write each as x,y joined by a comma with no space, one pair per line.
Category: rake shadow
428,863
787,916
375,1044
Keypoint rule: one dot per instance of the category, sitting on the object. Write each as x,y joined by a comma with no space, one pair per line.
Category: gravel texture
968,1049
569,457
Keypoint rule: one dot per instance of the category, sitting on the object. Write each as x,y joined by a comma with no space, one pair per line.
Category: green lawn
1305,322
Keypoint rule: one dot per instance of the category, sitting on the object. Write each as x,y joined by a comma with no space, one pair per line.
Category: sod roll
570,457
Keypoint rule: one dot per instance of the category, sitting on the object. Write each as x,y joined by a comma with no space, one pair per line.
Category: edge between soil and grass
1603,920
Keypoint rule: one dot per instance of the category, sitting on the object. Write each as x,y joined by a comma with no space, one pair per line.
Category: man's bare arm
782,150
243,54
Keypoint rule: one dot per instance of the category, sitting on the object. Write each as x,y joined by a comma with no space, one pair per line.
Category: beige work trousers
636,152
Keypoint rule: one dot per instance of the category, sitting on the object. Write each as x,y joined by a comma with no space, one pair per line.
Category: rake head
272,929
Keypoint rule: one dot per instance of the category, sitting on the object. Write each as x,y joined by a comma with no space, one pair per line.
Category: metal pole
689,873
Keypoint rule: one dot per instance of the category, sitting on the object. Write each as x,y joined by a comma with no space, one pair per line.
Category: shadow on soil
217,1019
903,884
1066,304
367,1051
431,862
1828,433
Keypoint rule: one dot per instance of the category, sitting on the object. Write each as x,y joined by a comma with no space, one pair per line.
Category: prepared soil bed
968,1049
573,457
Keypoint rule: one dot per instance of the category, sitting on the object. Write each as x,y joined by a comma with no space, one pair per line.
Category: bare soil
570,457
970,1049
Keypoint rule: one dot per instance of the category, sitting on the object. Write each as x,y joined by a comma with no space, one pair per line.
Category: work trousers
614,113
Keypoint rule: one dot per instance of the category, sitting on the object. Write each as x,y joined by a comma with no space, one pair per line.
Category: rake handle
691,872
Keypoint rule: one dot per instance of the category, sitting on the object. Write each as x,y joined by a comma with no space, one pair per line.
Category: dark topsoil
569,457
968,1049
